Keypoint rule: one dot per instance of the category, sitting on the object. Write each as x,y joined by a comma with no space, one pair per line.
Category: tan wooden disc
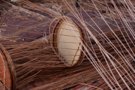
67,40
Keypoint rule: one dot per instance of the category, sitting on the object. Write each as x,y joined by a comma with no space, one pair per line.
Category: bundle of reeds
112,48
60,51
40,56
